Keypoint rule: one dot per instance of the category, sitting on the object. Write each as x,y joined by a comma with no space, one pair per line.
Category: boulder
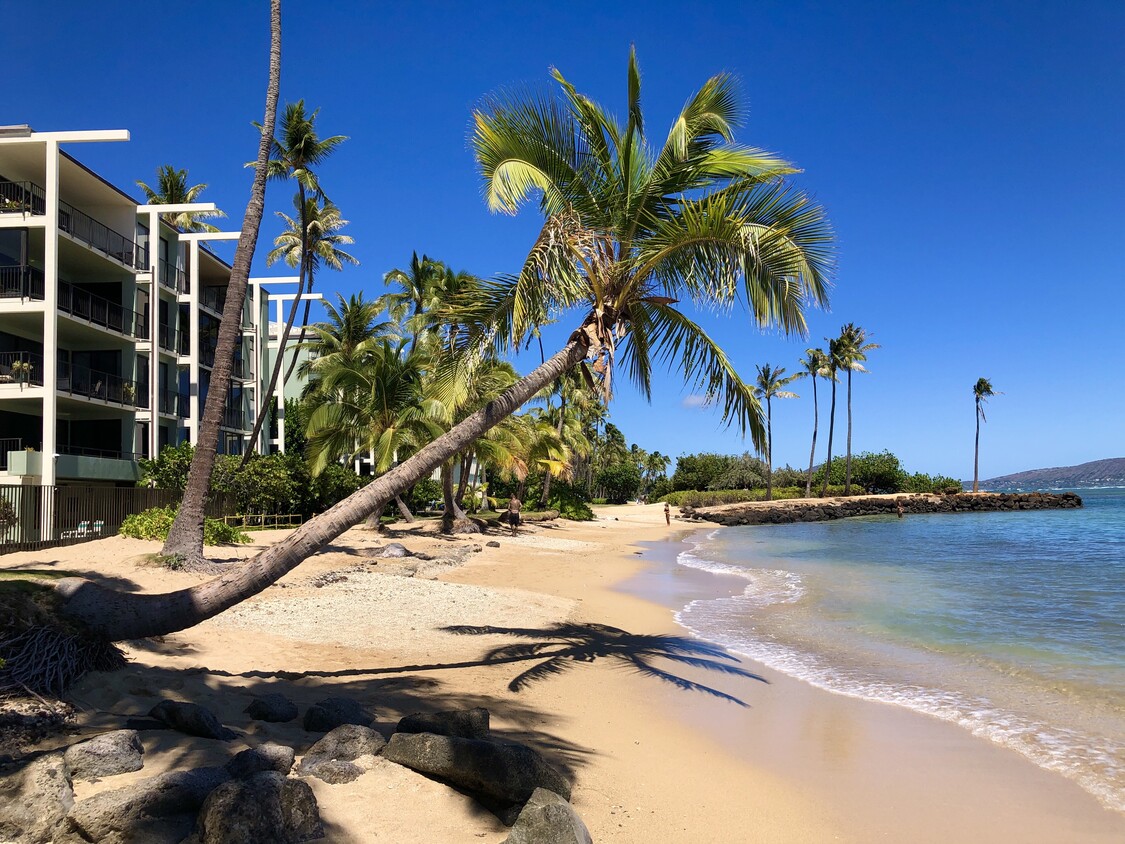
265,757
330,759
492,543
463,723
272,707
34,801
395,549
156,809
191,718
548,819
333,712
266,807
118,752
508,772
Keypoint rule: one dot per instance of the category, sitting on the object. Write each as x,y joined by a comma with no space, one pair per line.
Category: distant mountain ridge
1108,472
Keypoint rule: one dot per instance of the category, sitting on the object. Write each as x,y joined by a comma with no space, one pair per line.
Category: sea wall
820,510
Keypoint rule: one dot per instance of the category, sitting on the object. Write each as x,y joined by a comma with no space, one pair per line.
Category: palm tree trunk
304,275
976,453
304,322
185,538
450,512
119,616
831,431
812,452
375,520
403,510
463,480
848,462
769,449
544,497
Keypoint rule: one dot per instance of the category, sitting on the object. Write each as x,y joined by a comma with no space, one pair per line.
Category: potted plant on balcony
21,371
128,392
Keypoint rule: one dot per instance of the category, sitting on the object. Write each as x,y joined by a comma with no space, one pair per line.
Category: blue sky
969,156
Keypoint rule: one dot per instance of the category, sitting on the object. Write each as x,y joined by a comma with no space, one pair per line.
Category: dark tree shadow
560,646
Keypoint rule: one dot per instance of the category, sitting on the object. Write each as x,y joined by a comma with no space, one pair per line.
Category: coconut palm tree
982,391
172,189
837,360
630,230
815,363
419,291
856,348
350,322
185,538
771,385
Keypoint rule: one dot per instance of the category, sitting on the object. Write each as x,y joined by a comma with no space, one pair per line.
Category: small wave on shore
800,618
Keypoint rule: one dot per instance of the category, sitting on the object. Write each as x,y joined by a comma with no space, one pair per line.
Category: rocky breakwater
825,509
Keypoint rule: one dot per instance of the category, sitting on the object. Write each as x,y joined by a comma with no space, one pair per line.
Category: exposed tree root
47,660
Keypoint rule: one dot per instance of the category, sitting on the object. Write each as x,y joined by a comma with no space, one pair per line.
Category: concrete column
194,372
50,340
154,322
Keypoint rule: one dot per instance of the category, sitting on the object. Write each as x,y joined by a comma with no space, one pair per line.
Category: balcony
8,444
23,368
22,283
99,311
173,277
101,386
213,298
173,403
233,417
30,198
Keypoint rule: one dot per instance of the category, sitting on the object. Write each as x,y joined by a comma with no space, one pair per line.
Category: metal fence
34,516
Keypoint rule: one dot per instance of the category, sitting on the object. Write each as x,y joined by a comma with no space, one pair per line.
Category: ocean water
1011,625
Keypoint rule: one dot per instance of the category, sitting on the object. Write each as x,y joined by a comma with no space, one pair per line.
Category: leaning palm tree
185,538
630,229
309,241
172,189
856,348
815,363
982,391
771,385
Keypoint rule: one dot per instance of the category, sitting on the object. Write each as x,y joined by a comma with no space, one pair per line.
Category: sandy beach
651,761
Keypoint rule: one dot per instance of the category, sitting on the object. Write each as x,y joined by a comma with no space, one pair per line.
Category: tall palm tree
629,230
856,348
837,360
172,189
185,538
315,243
815,363
771,385
419,291
982,391
296,156
350,322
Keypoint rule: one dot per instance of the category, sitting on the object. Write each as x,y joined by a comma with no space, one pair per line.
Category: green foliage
621,481
788,476
272,484
425,493
699,471
8,515
296,423
713,498
745,472
155,523
169,470
659,489
921,482
871,472
571,501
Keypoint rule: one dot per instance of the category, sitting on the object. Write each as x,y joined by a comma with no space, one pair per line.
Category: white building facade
109,321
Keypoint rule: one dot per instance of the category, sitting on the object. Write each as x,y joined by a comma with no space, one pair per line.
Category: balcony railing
21,368
8,444
21,198
173,403
233,417
101,311
104,386
100,236
83,451
214,298
21,283
173,277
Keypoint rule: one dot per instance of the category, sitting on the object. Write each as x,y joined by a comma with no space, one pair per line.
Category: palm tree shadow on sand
559,647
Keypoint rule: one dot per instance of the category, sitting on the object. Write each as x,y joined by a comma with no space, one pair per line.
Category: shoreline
651,762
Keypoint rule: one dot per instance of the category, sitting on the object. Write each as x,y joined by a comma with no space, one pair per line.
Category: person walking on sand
667,514
514,505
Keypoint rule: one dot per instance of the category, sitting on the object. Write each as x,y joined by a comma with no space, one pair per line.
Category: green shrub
570,501
621,481
425,493
155,522
715,497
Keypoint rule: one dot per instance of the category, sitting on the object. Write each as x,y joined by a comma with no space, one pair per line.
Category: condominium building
109,319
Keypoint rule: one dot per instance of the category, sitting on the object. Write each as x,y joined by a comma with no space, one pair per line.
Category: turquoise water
1009,624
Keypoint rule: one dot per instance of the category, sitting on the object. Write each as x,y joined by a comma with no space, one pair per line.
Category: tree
312,237
621,481
815,364
982,391
185,538
172,189
837,358
770,385
628,232
419,291
855,352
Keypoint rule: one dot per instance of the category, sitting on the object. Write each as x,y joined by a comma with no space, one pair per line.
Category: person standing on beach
514,505
667,514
